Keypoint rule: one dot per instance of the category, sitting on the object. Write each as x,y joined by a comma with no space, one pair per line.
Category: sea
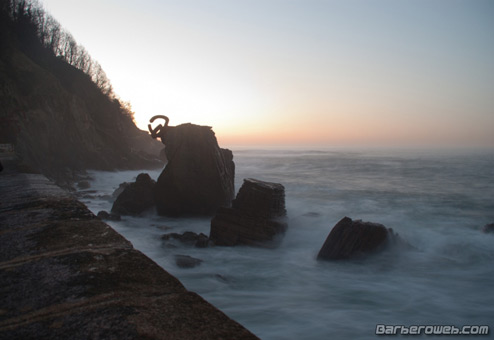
436,200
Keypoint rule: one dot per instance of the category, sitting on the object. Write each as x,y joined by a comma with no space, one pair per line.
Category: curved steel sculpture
160,130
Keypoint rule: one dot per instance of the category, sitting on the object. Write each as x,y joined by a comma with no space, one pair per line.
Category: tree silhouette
34,27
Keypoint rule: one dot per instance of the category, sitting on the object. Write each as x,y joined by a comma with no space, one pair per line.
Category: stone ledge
66,275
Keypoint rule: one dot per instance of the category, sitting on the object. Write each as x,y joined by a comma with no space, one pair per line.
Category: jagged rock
256,217
202,241
349,238
120,189
199,176
488,228
104,215
189,237
186,261
136,197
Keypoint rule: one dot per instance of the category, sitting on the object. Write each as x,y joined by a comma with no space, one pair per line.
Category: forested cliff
57,106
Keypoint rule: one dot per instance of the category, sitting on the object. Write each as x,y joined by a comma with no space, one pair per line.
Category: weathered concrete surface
64,274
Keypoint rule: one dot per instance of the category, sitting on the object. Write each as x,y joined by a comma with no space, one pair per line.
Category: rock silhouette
349,238
255,218
188,237
199,175
136,197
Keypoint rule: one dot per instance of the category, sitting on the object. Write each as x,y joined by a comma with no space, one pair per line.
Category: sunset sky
299,72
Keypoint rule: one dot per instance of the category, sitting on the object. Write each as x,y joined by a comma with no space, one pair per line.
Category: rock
189,237
263,199
256,217
162,155
136,197
488,228
349,238
202,241
103,215
199,176
185,261
120,189
83,185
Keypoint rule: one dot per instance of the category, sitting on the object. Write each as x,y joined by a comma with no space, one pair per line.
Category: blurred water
437,201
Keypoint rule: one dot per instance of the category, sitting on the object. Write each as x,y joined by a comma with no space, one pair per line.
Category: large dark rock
256,217
349,238
136,197
199,176
119,190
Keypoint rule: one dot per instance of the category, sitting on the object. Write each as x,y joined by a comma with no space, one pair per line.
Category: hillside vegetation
57,106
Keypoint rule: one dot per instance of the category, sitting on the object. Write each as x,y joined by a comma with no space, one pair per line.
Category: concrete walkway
64,274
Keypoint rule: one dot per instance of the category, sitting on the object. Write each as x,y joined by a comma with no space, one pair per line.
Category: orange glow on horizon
338,130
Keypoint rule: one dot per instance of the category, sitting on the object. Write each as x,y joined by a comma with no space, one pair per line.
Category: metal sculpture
160,130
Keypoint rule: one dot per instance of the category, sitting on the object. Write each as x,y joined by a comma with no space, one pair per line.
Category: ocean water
438,201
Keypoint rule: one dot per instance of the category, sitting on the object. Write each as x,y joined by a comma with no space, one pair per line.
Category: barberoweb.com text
431,330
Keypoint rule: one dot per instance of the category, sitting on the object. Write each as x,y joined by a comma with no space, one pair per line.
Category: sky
299,72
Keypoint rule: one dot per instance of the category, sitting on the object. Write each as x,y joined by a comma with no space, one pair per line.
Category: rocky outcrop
189,238
119,190
256,217
199,175
136,197
350,238
64,274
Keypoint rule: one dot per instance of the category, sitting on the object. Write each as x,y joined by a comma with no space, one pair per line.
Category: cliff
59,120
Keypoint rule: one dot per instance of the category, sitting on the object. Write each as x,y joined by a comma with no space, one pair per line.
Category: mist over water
438,202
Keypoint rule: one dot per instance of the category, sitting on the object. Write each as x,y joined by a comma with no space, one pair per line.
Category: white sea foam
437,202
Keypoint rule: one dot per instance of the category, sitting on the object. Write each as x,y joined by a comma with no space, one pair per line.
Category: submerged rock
256,217
136,197
83,185
189,237
186,261
199,176
488,228
349,238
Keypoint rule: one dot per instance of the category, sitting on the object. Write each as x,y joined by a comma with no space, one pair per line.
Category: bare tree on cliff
36,27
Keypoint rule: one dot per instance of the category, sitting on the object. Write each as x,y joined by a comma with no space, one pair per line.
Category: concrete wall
64,274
